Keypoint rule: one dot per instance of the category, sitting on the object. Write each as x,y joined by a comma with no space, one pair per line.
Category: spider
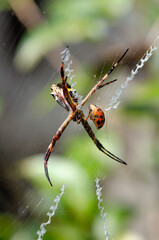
67,97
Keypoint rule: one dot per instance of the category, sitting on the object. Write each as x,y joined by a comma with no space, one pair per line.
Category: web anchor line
101,209
114,103
53,208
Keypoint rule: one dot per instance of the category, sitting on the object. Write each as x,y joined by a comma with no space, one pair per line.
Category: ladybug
97,116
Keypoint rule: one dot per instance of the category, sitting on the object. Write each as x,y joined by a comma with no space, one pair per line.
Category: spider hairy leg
52,144
123,55
63,73
65,89
46,158
111,70
98,144
88,115
102,85
116,64
99,83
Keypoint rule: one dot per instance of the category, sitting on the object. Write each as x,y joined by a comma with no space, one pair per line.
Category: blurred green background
33,33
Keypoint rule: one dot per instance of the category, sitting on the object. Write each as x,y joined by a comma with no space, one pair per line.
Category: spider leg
99,83
52,144
113,67
66,93
102,85
97,143
63,73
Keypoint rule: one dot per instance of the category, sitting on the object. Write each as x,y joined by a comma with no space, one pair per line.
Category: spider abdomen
97,116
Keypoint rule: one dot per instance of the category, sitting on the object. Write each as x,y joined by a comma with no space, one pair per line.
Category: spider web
114,103
65,55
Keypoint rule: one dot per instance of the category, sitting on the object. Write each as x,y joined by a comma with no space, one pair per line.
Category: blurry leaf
62,171
144,99
130,235
66,231
37,43
88,21
6,226
42,103
87,154
119,214
33,47
88,8
4,5
147,92
24,234
142,110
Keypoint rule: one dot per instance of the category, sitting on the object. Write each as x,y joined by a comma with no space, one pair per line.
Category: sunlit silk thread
101,209
114,103
53,208
65,55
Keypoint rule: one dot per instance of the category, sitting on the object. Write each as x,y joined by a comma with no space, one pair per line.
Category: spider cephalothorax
66,96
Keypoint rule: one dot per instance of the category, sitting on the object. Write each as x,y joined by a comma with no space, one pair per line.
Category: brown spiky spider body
66,97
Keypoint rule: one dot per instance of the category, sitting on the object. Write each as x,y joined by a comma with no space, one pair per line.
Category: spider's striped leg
52,144
64,79
66,93
47,155
107,83
99,83
97,143
114,65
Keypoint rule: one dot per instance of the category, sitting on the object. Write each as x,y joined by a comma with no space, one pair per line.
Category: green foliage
4,5
82,149
88,22
78,207
144,100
